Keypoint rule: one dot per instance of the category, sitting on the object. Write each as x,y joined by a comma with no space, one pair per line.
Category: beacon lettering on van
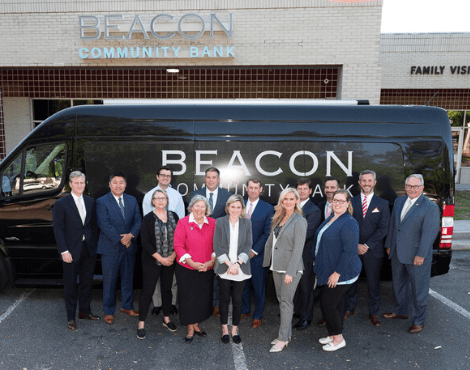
237,167
162,27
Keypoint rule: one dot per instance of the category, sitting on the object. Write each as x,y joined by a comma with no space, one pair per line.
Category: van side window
11,178
43,171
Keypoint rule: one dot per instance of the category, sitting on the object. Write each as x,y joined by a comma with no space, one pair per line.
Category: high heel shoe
278,349
277,340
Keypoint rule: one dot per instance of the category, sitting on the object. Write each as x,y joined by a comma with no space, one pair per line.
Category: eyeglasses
160,199
162,175
413,187
339,201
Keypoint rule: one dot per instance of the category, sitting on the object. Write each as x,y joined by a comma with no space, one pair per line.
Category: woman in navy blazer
232,246
337,266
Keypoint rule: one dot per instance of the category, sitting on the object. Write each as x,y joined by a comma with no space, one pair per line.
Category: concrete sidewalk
461,238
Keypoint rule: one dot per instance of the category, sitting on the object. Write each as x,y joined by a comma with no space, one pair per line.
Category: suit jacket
415,235
222,197
222,244
261,220
288,250
374,227
313,216
112,224
69,228
337,250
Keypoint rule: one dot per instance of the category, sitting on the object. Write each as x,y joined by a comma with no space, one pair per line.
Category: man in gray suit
414,226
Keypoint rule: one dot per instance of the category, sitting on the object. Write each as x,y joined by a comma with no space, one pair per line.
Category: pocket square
375,210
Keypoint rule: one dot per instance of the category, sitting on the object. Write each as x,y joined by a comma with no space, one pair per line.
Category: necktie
328,209
249,211
122,207
364,207
81,209
408,206
211,201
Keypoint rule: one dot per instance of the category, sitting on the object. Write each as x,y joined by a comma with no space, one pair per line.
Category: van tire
4,277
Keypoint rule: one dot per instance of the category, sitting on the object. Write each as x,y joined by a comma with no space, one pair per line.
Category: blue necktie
122,207
211,201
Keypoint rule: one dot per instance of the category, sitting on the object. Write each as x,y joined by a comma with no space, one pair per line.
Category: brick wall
2,127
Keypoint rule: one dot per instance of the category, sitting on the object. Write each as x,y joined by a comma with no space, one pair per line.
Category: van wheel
4,279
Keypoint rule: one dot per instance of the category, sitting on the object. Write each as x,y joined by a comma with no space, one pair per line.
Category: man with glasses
175,204
413,228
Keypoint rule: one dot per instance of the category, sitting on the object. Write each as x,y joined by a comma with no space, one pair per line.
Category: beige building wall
266,32
18,116
400,52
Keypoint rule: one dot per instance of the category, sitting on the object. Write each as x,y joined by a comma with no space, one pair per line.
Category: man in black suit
373,216
303,299
217,199
74,226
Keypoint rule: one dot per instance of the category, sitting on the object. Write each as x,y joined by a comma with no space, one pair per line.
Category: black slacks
332,306
234,289
83,269
150,276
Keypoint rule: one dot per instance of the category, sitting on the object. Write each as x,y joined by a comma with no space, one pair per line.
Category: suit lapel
73,206
372,206
115,204
241,233
413,208
227,232
287,224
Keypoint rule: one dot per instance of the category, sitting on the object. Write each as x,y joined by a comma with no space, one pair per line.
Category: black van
277,141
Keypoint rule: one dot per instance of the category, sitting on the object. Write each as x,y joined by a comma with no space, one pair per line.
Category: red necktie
364,207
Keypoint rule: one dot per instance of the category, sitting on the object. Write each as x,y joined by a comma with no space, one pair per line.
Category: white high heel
278,349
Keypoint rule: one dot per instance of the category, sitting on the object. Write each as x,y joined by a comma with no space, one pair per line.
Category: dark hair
254,180
117,174
213,169
331,178
165,168
303,181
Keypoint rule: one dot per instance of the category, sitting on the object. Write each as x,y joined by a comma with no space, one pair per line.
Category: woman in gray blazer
232,246
283,255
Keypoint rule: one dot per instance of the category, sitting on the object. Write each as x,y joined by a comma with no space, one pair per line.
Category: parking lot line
449,303
15,304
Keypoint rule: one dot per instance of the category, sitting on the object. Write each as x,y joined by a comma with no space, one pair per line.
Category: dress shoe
244,315
256,323
132,312
216,311
225,339
188,339
156,310
322,323
415,329
348,314
275,349
173,310
169,325
108,319
391,315
201,333
325,340
141,333
236,339
330,347
90,316
301,325
71,325
375,320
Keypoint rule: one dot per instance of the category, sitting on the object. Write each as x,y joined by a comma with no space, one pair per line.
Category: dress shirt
233,254
79,202
117,200
406,206
175,201
214,195
254,203
369,198
302,203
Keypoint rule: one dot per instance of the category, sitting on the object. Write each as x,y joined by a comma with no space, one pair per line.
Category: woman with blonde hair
283,255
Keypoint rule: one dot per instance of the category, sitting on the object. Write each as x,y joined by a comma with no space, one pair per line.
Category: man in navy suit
74,225
119,220
260,213
413,229
373,216
304,296
217,199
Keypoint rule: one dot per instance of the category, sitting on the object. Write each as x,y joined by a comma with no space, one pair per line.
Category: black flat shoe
225,339
188,339
201,333
236,339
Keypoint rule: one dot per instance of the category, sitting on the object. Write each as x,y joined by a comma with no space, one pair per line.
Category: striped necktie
364,207
211,201
328,210
122,207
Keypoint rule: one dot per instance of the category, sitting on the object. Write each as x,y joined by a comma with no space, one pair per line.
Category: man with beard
373,216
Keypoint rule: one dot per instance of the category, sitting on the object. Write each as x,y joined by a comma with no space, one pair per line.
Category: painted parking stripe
15,304
449,303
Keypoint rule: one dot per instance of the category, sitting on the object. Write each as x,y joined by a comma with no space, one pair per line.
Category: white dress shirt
175,201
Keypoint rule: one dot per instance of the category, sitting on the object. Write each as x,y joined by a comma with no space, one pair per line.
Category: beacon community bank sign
162,28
